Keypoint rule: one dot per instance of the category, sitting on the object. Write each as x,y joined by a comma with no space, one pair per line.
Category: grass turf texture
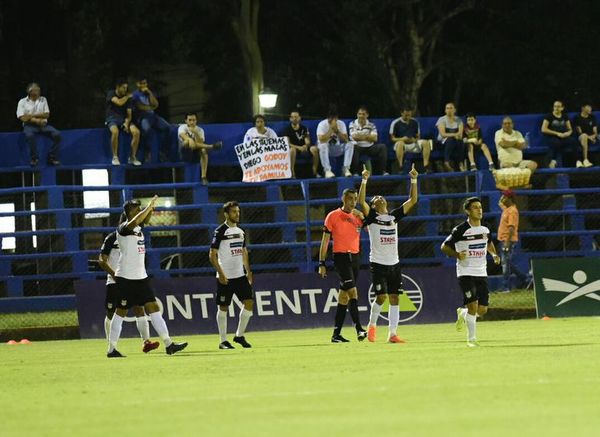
529,377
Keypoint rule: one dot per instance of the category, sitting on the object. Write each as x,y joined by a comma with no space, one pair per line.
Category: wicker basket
512,177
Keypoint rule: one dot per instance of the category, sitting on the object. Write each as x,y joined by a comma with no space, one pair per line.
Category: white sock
375,311
116,324
393,317
471,325
244,319
161,328
143,327
106,327
222,324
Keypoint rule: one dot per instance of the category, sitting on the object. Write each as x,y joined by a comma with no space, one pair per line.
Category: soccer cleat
150,346
371,333
337,338
361,335
115,160
226,345
396,339
175,347
460,320
473,343
115,354
242,341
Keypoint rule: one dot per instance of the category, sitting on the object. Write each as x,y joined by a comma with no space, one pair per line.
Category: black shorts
238,286
347,265
112,297
386,279
134,292
474,288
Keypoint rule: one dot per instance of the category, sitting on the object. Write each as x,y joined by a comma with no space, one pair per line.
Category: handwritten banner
263,159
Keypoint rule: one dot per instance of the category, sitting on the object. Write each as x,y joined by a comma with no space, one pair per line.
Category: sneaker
204,181
226,345
395,339
175,347
371,333
473,343
346,172
587,163
385,173
53,161
115,160
428,168
361,335
473,167
329,174
34,162
462,166
242,341
579,164
115,354
218,145
318,175
150,345
491,166
337,338
448,168
133,161
552,164
460,320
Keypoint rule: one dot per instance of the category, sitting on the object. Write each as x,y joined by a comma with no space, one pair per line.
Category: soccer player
229,257
470,243
344,225
386,276
109,257
132,280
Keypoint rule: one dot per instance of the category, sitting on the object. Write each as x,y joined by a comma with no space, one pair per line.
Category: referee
344,225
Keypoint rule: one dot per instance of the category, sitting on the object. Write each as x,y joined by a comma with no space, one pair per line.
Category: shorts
116,121
414,147
386,279
474,288
112,296
238,286
134,292
347,265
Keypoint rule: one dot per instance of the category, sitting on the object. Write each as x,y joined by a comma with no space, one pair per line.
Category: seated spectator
259,130
118,116
450,128
557,131
405,133
299,139
586,129
191,139
364,135
509,145
333,141
474,140
145,103
34,112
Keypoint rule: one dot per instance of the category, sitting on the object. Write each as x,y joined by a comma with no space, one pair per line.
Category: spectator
259,130
405,133
473,138
450,129
364,135
299,139
509,145
145,103
191,139
334,141
118,116
508,235
34,112
556,127
587,132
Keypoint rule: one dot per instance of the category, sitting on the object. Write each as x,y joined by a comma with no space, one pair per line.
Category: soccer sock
340,315
143,327
243,323
353,309
222,324
393,317
375,311
471,323
161,328
116,324
106,327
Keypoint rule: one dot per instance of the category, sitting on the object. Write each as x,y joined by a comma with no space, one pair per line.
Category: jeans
149,123
377,151
506,253
558,146
335,150
30,130
454,150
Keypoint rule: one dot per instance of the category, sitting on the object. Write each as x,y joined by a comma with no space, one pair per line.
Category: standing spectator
191,138
509,145
450,129
299,139
508,235
334,141
118,116
364,135
259,130
474,138
556,127
34,112
145,103
587,132
405,133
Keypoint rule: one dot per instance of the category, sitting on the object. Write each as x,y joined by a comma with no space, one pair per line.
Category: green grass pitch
529,377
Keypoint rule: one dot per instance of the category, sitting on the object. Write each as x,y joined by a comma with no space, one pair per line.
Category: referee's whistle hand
323,271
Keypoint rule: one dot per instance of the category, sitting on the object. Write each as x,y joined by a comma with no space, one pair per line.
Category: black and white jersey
473,240
110,248
230,243
131,263
383,235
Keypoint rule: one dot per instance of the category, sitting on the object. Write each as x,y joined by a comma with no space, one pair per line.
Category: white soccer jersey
383,236
473,240
230,243
131,263
110,247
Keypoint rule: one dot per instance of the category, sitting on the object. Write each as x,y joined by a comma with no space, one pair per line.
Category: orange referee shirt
510,217
344,228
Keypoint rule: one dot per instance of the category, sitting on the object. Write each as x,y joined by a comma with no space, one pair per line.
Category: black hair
231,204
363,108
257,116
471,114
187,114
468,202
130,204
349,191
120,81
333,112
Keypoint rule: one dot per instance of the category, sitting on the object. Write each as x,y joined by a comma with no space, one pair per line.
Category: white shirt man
509,145
333,141
364,135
